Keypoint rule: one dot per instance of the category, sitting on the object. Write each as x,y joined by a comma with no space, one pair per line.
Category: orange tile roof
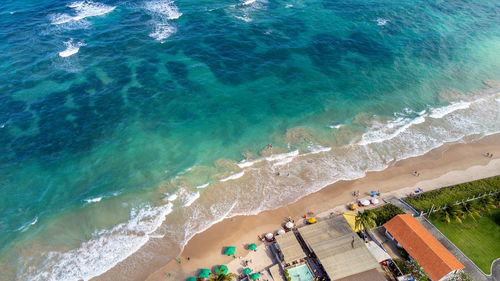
434,258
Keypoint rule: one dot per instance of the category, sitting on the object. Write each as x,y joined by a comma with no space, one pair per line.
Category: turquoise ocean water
126,127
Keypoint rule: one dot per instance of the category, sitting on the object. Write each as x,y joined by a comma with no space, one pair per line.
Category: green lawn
480,240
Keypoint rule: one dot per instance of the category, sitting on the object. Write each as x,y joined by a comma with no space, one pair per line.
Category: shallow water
123,122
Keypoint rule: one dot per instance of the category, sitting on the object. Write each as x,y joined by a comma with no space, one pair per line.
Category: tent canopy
350,217
280,232
230,251
221,269
289,224
252,246
204,273
254,276
269,235
247,270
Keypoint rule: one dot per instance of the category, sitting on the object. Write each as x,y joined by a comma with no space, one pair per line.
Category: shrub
385,213
413,268
451,194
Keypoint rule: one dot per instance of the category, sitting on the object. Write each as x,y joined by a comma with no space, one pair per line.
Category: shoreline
448,164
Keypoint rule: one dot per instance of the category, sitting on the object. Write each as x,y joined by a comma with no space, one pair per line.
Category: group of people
489,155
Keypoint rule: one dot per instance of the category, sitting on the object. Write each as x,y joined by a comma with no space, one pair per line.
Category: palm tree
486,204
365,220
470,209
452,212
224,277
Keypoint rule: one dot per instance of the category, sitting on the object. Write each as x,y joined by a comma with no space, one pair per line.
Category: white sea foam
172,197
106,249
27,225
248,2
93,200
190,198
71,48
162,31
247,163
440,112
282,156
166,8
335,126
313,149
288,5
390,130
382,22
82,10
203,185
163,12
233,176
244,18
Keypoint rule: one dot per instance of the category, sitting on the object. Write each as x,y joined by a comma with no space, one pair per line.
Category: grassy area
385,213
478,240
451,194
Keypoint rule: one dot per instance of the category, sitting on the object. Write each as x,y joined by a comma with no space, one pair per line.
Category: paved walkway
395,201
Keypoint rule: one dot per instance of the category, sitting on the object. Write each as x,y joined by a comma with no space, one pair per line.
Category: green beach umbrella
191,279
252,247
247,270
254,276
221,269
230,251
204,273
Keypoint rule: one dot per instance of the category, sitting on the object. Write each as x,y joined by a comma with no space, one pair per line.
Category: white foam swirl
105,250
163,12
81,10
71,48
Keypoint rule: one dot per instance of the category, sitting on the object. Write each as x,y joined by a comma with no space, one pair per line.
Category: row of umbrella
222,269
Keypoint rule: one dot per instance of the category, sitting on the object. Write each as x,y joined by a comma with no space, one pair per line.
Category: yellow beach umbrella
311,220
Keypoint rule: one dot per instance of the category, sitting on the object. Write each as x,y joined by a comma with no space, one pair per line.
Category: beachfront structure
340,251
423,247
291,251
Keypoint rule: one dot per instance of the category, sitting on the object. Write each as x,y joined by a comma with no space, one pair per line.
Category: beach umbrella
364,202
230,251
221,269
353,206
311,220
373,192
289,225
374,201
191,279
247,271
280,232
269,236
255,276
204,273
252,247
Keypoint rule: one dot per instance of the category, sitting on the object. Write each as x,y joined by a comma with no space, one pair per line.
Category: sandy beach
447,165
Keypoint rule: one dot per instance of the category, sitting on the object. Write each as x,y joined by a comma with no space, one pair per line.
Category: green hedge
385,213
451,194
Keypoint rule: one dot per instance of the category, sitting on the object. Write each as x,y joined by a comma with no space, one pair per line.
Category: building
340,251
423,247
289,248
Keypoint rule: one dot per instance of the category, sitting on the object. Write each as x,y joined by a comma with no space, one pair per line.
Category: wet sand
449,164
